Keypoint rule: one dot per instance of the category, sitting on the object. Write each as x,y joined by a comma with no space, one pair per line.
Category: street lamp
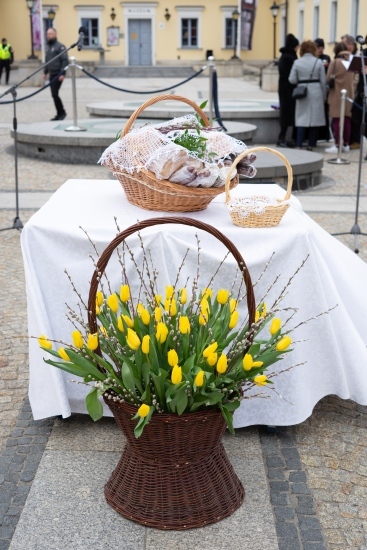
274,11
51,16
30,4
235,16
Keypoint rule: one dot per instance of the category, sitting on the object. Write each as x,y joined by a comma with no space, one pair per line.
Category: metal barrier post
211,66
74,127
339,160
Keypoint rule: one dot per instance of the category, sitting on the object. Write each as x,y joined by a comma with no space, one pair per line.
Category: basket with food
176,166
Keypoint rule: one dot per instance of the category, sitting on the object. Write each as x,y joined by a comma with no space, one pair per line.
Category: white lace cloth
244,206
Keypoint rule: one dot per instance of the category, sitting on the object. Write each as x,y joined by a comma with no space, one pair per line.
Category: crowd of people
316,116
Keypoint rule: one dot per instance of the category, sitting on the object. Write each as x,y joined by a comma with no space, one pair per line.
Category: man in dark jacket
285,89
56,67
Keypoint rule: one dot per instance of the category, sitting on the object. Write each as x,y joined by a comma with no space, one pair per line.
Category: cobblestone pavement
328,450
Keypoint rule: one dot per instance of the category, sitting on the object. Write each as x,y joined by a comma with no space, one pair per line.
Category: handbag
301,90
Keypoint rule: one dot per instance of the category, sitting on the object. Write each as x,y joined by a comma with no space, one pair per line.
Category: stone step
159,71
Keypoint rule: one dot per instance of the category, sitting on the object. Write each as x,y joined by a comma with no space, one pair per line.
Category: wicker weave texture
272,214
177,474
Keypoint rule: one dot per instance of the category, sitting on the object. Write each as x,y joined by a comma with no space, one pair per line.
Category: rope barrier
33,93
136,92
354,103
215,101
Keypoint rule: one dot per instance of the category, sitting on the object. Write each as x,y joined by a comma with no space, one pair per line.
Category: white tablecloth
335,346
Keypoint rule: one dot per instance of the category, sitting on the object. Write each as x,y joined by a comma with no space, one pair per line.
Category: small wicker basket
145,190
271,211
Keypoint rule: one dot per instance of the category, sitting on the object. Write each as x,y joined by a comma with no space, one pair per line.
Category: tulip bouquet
172,353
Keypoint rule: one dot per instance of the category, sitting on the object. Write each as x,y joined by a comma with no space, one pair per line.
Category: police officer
56,67
6,59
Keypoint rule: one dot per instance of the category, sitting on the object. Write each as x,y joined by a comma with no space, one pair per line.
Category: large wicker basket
177,474
145,190
273,210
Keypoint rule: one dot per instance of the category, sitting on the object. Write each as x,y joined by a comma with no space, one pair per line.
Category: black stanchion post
211,65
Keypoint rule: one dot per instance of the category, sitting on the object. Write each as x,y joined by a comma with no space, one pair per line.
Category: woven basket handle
106,255
267,150
167,97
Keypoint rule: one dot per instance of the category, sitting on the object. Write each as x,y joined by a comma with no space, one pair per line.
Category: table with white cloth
333,346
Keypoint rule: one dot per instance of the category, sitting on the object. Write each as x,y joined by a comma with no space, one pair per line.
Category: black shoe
55,118
62,116
282,144
290,144
309,148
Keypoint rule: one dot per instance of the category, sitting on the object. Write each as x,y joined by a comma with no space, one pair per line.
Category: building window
316,21
91,40
230,30
333,20
354,17
189,33
300,25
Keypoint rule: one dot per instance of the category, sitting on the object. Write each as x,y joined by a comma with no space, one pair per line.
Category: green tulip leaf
94,406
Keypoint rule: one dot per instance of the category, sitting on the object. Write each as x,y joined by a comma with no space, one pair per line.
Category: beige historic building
179,32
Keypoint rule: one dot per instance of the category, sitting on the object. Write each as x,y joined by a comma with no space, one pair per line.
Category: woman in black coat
285,88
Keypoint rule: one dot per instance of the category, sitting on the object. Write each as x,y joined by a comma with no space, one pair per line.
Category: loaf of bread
166,160
184,175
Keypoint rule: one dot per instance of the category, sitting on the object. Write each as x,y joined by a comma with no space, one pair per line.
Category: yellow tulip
172,357
248,362
207,293
210,349
203,317
257,316
145,344
170,306
275,325
98,310
104,331
124,293
233,320
158,299
232,305
63,354
145,316
143,410
92,342
222,364
260,380
77,339
113,303
157,314
212,359
204,304
99,298
120,324
169,292
44,343
132,339
184,325
199,379
283,343
162,332
222,296
183,296
128,321
176,376
139,308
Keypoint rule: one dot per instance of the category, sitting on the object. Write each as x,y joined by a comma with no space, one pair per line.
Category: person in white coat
310,112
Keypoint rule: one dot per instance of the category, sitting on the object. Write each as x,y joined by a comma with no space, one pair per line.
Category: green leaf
85,364
138,430
204,104
181,400
94,406
228,417
127,377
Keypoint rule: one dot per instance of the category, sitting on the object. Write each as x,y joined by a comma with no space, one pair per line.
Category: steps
158,71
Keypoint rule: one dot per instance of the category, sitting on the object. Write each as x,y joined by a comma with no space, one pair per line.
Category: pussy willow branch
97,255
78,319
312,318
121,260
75,290
282,294
198,264
264,270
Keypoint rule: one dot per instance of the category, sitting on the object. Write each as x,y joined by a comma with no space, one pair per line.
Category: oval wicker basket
145,190
271,214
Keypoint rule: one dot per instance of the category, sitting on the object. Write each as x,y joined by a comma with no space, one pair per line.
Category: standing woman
310,113
286,103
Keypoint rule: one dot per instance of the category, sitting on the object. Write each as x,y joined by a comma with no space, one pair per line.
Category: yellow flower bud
260,380
204,304
275,325
145,344
92,342
98,310
232,305
263,312
184,325
222,364
77,339
176,376
113,303
203,317
103,330
145,316
210,349
172,357
162,332
63,354
139,308
248,362
212,359
120,324
44,343
169,292
128,321
207,293
143,410
199,379
222,296
157,314
124,293
183,296
233,320
257,316
283,343
99,298
158,299
132,339
170,306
